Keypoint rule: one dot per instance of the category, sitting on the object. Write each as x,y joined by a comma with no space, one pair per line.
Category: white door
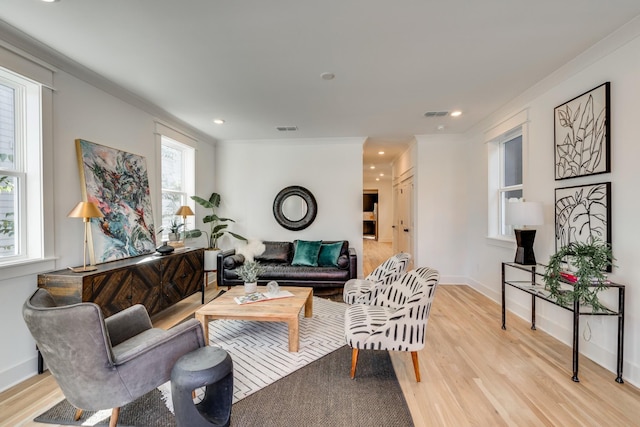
403,221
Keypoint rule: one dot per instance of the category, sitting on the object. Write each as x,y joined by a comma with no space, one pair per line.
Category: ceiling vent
436,113
287,128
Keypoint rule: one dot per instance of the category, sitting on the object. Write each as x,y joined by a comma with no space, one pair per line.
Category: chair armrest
127,323
189,331
353,264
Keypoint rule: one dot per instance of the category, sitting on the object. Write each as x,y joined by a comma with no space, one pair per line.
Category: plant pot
174,237
250,288
210,259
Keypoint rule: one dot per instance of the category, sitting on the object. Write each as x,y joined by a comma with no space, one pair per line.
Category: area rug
319,394
259,350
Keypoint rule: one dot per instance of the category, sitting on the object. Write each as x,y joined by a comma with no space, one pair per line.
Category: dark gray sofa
276,261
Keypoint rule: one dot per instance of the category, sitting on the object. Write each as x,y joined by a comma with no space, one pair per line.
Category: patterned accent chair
362,291
105,363
396,320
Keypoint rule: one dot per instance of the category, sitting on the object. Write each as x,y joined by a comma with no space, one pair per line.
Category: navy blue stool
208,367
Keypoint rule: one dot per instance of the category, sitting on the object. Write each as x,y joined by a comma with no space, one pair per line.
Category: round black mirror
295,208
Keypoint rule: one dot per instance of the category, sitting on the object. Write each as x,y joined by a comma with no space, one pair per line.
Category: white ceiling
257,63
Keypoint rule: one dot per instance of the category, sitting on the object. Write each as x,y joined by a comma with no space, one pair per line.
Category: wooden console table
153,280
534,286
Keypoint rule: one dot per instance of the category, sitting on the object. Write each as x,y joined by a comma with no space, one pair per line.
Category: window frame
35,194
27,143
498,233
188,171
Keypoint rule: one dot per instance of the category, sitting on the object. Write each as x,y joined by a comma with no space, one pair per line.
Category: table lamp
524,214
184,211
86,211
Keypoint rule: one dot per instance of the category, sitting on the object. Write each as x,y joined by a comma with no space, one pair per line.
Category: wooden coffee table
275,310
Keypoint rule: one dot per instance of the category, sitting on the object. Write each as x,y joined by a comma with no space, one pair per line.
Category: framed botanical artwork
583,213
581,134
117,182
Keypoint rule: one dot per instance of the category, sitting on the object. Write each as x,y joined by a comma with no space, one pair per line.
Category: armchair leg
77,415
354,361
416,368
115,413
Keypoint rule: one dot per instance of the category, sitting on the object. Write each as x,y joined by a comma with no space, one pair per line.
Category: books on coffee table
261,296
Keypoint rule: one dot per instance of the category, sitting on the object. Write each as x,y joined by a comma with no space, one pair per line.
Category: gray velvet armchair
105,363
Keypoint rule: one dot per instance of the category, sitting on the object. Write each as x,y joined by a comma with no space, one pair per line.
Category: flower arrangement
250,271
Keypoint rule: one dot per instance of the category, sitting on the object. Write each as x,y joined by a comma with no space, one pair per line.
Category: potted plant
581,265
174,230
249,273
217,228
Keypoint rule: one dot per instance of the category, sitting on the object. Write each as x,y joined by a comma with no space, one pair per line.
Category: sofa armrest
220,265
127,323
353,264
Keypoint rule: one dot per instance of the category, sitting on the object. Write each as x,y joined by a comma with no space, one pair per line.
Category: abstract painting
582,140
582,214
117,182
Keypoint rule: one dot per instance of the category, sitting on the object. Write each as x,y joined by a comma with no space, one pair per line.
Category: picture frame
582,136
117,182
582,213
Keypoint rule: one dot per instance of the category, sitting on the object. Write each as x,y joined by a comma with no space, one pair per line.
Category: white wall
80,111
621,66
441,205
251,173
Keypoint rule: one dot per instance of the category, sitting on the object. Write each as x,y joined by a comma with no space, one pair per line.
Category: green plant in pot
174,230
217,228
587,261
249,273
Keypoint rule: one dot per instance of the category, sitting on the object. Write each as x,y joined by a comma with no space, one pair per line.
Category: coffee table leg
202,318
294,335
308,306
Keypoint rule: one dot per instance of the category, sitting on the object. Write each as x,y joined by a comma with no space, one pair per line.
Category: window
20,169
178,180
506,172
511,176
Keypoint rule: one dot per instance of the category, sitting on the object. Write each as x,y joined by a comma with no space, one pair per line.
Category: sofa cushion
306,253
279,252
329,254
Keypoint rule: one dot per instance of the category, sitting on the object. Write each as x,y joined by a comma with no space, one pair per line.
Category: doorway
370,214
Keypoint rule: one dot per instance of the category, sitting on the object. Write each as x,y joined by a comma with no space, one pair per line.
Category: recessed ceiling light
381,152
218,121
456,113
377,179
381,174
372,167
440,127
328,76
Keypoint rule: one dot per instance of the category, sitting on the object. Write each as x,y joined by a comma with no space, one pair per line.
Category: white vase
211,259
250,288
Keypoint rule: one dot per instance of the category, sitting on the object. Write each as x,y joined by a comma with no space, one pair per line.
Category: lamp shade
184,211
85,210
524,213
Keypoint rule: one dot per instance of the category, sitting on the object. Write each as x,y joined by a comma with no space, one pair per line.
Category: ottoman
208,367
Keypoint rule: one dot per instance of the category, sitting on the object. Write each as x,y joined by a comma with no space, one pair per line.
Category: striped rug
259,349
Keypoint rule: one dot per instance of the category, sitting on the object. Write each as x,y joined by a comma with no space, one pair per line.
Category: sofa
296,263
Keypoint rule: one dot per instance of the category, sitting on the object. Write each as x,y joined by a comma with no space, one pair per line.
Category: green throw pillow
306,253
329,253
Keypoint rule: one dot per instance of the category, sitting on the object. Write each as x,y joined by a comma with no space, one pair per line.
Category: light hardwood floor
473,372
